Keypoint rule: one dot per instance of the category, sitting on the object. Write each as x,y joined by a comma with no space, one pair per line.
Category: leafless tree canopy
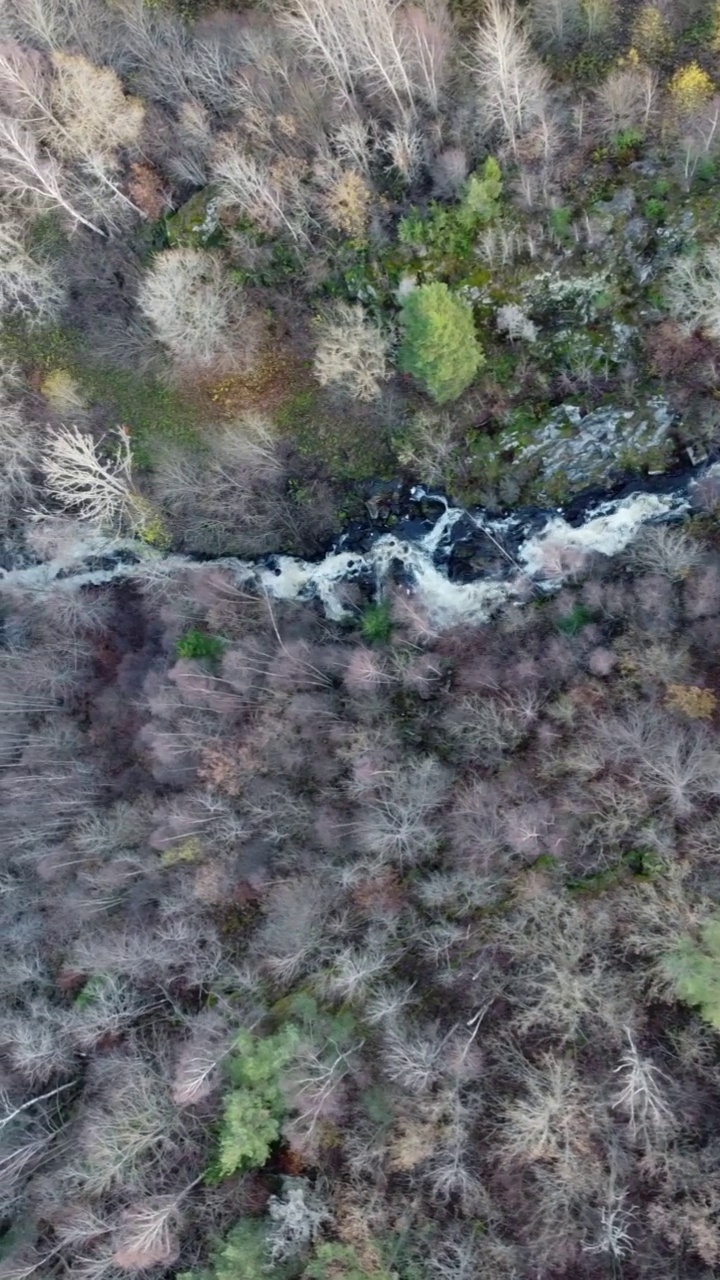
353,943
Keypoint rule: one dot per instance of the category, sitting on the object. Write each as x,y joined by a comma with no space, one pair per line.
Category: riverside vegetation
370,949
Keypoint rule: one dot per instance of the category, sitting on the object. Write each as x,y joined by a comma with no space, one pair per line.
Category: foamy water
539,557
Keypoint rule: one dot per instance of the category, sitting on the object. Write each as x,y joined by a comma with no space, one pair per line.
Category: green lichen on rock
196,223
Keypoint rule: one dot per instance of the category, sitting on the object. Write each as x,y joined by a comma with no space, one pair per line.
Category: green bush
376,623
573,623
440,347
254,1107
243,1255
695,971
199,644
561,223
655,210
626,144
481,199
445,236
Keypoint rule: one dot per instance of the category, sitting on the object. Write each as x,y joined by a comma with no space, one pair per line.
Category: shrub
691,88
666,551
341,1262
376,623
482,193
94,115
694,970
440,348
447,235
243,1255
692,290
255,1106
430,447
651,34
297,1217
347,205
512,320
697,703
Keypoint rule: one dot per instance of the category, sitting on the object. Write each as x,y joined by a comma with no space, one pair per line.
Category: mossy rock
196,223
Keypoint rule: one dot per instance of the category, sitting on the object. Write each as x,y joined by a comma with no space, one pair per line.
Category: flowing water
458,564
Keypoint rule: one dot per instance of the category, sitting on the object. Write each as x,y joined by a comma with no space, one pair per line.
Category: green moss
341,1262
643,457
154,411
52,347
636,864
47,236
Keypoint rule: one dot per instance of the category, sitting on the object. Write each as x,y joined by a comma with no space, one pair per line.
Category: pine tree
440,348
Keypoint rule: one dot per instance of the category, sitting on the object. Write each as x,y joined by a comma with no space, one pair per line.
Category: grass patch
348,442
152,410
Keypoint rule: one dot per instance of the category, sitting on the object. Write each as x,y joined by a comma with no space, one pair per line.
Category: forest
385,945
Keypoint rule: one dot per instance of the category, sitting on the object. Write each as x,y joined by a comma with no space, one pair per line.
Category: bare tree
131,1126
18,455
641,1097
273,195
147,1235
351,352
511,82
230,498
557,23
551,1119
397,824
79,114
197,310
27,173
99,489
395,54
28,286
626,99
413,1055
52,24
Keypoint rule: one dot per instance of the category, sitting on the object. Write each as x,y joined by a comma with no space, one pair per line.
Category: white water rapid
531,550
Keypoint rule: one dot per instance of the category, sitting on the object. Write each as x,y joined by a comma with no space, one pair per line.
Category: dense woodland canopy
375,949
